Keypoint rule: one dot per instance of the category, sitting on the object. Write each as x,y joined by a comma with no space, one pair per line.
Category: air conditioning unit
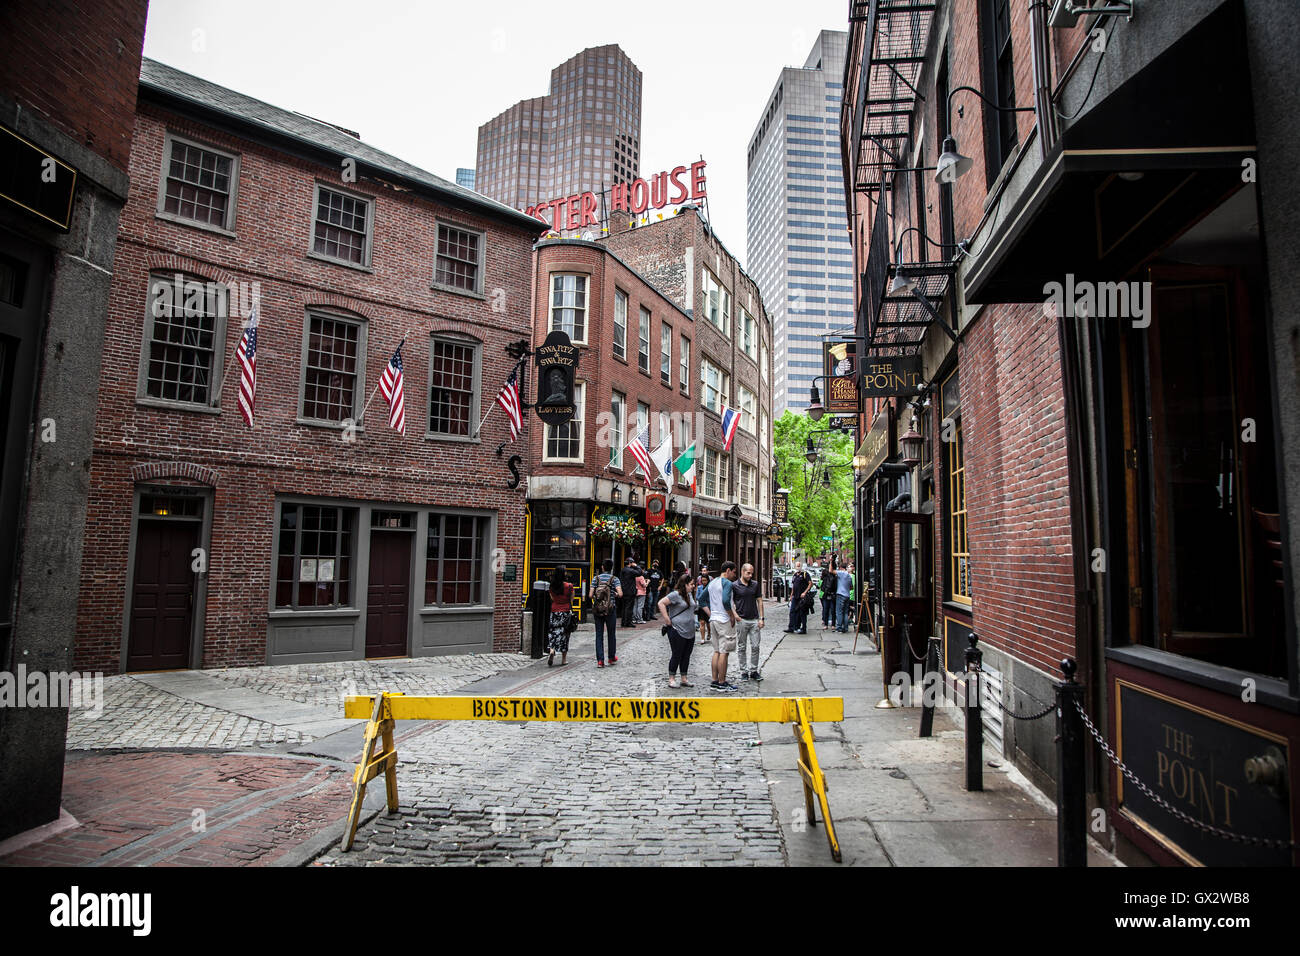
1066,13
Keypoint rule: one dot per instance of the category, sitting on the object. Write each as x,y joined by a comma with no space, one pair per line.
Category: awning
1178,130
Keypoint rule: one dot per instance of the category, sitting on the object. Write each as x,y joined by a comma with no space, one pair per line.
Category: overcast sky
416,79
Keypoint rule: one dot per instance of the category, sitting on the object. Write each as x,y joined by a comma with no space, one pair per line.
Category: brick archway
149,471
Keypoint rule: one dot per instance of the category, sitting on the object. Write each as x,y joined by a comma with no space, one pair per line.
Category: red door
162,603
388,597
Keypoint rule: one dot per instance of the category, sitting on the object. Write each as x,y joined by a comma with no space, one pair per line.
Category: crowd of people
725,610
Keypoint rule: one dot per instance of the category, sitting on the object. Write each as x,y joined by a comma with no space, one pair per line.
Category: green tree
814,510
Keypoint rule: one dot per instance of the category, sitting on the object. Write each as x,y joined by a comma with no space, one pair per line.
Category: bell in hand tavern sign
557,363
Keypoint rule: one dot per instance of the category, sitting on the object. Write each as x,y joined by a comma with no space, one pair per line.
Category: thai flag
730,420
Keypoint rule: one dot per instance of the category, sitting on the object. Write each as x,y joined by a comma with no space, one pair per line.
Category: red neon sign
579,211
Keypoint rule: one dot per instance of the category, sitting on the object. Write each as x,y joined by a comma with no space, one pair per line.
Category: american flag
508,398
390,383
730,419
638,447
248,368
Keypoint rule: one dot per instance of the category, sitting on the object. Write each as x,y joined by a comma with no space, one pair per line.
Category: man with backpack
605,591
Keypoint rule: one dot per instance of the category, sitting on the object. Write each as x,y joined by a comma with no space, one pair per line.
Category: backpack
601,598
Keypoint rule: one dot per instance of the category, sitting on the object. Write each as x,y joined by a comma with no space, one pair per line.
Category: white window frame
747,484
552,307
724,390
747,402
715,471
618,426
665,353
579,421
620,324
644,320
684,380
717,303
748,334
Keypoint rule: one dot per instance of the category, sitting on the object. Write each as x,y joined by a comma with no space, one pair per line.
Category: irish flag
686,464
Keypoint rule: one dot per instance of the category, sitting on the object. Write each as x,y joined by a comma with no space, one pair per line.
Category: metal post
974,717
1071,808
541,618
932,672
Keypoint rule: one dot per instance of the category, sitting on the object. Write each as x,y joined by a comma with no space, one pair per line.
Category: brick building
67,109
1108,404
637,369
319,533
682,256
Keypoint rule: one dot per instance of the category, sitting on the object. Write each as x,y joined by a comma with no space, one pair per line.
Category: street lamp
953,164
911,443
811,453
815,407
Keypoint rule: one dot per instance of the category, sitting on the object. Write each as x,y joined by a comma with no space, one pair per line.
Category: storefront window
957,540
314,564
454,559
560,532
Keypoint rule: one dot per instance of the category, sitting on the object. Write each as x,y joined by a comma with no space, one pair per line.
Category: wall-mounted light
633,497
672,502
911,444
616,494
952,164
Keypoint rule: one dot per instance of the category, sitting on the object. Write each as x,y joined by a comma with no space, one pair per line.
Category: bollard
928,697
974,718
1071,808
541,601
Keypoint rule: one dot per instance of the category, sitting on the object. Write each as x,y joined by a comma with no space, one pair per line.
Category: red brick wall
279,456
78,65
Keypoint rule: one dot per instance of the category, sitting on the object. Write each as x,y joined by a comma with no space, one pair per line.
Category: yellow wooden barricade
382,711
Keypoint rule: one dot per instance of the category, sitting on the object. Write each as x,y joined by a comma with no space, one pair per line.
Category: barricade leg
814,782
379,727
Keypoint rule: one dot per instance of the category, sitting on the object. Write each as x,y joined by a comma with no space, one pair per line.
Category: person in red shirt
561,615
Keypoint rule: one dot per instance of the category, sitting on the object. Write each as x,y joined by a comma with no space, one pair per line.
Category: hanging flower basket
616,526
674,534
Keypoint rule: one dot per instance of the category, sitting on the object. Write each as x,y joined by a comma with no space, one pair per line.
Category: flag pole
491,407
231,364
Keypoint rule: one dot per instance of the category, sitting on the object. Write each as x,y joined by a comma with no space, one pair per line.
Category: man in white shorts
722,624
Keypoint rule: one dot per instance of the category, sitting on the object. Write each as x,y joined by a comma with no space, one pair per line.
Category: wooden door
162,597
388,596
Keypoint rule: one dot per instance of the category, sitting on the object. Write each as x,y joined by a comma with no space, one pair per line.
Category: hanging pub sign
890,375
557,363
775,533
839,362
780,507
656,507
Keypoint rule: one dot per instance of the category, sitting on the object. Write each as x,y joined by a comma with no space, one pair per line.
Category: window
342,228
717,303
618,411
453,566
748,334
569,305
684,379
620,324
314,559
198,184
560,531
453,387
746,409
184,322
958,543
666,353
999,83
715,384
747,484
643,349
762,363
714,473
564,442
459,262
332,378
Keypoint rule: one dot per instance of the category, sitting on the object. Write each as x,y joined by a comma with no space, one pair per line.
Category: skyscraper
798,248
583,135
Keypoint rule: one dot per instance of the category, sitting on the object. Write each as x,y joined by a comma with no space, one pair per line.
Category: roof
166,82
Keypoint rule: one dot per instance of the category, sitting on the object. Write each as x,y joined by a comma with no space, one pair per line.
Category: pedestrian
627,579
747,601
826,589
605,592
642,593
843,597
677,608
799,586
701,583
561,622
656,580
722,625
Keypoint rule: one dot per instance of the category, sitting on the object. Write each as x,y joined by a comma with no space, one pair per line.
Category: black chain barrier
1167,806
1038,716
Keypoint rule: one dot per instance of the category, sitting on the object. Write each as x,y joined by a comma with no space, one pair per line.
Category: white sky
417,79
